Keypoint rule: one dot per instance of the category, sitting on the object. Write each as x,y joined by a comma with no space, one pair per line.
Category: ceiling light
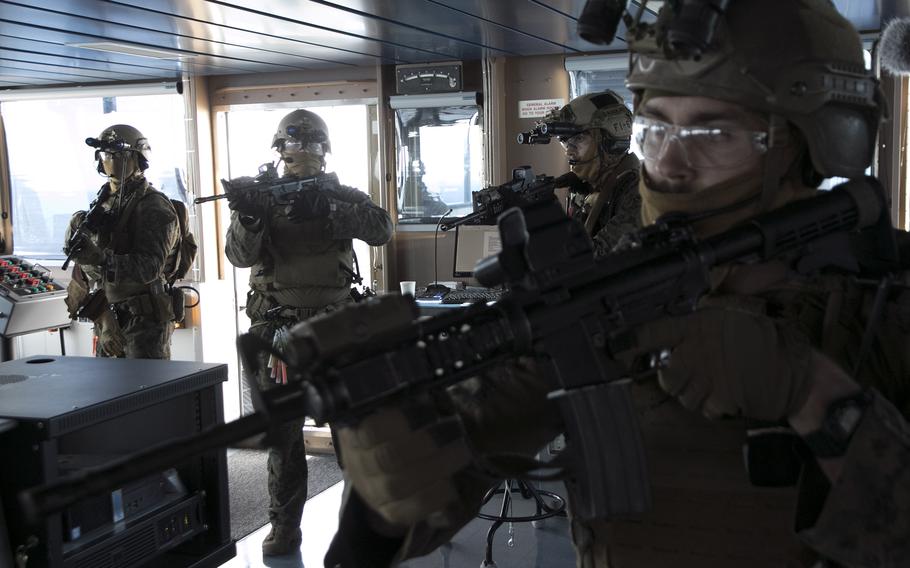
132,49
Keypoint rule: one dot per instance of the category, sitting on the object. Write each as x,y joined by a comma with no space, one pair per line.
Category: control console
30,299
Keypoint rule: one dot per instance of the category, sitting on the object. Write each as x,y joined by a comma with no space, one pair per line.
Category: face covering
302,164
118,166
731,202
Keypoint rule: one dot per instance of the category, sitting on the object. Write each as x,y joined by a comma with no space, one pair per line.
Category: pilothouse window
439,157
52,170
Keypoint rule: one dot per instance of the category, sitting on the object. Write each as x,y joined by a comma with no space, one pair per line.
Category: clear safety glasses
108,156
701,146
575,140
294,146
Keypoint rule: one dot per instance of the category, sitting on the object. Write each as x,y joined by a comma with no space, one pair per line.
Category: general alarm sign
539,107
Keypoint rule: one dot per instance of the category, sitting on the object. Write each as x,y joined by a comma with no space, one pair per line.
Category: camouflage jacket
139,238
613,207
300,264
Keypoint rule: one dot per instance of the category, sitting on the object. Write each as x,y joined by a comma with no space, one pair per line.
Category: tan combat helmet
605,110
799,61
304,126
131,140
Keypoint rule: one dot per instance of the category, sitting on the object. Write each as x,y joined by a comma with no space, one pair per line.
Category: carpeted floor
248,488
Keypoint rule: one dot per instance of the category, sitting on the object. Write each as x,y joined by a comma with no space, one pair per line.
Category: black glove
86,252
308,205
248,203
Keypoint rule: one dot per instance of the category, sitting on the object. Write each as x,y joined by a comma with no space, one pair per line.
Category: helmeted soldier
301,257
599,154
129,250
752,119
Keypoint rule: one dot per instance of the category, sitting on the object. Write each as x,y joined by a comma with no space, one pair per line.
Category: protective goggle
294,146
574,140
106,156
702,146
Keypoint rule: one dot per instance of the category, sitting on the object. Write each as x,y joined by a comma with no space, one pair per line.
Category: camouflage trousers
144,337
287,453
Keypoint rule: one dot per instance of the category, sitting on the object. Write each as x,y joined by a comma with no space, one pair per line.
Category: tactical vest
300,255
120,240
706,514
597,208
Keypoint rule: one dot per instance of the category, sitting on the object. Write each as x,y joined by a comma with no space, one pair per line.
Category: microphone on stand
437,289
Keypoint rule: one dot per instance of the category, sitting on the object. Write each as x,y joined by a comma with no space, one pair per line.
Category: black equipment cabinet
74,412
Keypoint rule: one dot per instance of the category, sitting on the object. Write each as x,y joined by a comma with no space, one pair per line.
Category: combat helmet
605,111
304,126
798,61
123,137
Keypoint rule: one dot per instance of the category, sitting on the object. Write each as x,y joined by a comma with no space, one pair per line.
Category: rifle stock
565,307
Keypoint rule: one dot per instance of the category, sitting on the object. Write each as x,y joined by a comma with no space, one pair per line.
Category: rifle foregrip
610,477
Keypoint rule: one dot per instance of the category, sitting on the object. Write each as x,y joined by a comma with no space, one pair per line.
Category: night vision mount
543,131
684,29
112,145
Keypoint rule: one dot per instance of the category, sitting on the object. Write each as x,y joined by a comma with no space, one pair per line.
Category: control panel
22,278
30,299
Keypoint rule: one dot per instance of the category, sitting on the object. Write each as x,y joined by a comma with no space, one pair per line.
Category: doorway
247,137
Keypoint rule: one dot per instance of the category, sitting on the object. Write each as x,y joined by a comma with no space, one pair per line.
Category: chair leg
491,533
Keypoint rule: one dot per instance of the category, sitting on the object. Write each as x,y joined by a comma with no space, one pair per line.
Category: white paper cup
408,287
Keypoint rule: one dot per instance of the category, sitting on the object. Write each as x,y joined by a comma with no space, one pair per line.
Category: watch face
847,418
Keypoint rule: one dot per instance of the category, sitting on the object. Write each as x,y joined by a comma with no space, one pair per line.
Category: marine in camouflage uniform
131,253
301,257
599,154
770,345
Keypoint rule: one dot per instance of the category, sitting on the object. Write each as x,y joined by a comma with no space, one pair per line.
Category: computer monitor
472,243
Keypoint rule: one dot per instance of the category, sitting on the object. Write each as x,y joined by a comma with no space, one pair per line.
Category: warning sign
538,108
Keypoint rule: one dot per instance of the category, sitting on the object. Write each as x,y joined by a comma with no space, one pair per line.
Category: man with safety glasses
301,257
595,131
748,110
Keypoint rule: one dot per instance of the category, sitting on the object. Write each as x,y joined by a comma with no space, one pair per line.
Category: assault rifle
91,223
573,312
283,190
524,188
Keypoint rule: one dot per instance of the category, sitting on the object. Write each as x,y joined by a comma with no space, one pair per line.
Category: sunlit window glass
440,161
53,172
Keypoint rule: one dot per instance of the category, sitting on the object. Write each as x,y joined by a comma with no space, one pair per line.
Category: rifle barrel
208,198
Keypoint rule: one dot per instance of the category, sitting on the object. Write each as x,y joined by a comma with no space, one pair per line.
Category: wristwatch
841,420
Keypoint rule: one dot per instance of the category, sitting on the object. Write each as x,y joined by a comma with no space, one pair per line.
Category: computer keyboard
471,295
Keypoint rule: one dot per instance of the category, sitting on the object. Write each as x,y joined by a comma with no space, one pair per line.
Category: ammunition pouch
178,304
94,306
152,305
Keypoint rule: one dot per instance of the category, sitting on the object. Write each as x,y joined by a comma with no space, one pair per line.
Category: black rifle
282,190
91,223
573,312
524,188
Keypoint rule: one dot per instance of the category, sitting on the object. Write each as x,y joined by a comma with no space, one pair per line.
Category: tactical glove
86,252
402,462
726,362
309,205
248,203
